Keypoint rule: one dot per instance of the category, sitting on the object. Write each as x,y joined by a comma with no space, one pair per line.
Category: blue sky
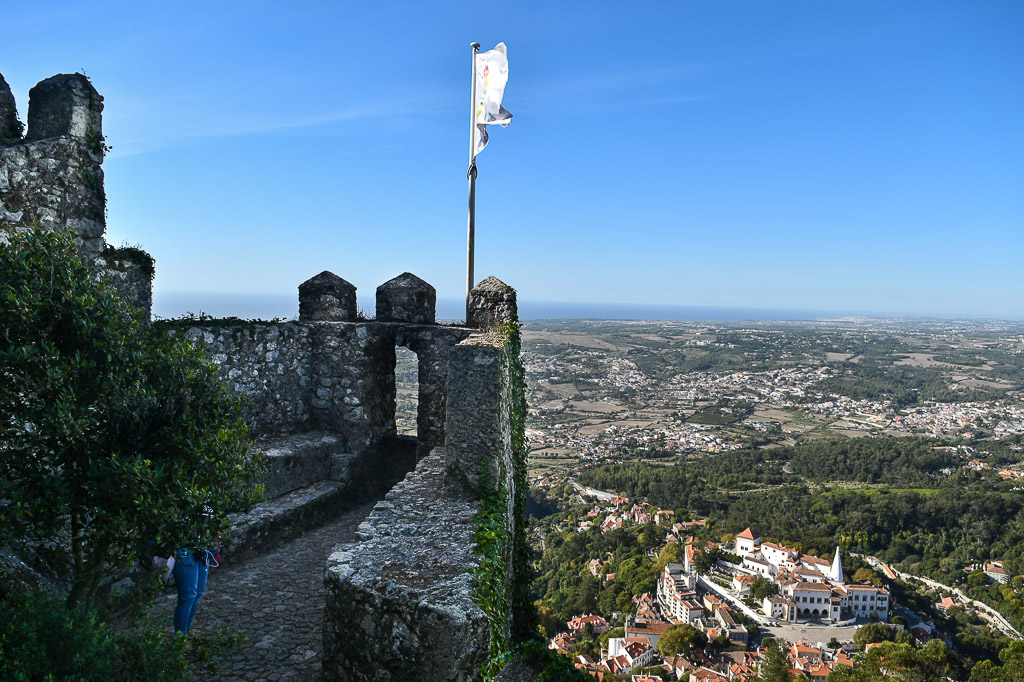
847,156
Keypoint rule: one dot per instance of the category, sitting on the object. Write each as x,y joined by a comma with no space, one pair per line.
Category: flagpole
471,174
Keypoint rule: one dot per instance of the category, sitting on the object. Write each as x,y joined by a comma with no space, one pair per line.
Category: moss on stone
132,254
204,320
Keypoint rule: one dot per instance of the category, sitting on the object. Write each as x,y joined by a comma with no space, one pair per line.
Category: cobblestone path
277,601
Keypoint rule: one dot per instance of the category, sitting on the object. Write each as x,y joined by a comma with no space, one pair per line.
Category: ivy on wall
503,578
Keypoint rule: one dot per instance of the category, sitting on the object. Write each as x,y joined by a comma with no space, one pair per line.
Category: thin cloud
159,134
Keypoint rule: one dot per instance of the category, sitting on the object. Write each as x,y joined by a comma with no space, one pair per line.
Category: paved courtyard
277,601
810,634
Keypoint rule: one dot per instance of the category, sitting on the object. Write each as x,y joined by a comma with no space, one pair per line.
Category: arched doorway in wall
407,392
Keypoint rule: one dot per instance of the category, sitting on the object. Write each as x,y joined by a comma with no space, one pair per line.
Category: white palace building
809,588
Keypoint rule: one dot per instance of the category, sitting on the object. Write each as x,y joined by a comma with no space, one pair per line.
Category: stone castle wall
337,376
404,596
52,178
269,364
324,387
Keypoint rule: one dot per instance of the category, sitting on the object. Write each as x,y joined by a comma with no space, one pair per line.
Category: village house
637,651
611,522
995,571
562,643
577,626
747,544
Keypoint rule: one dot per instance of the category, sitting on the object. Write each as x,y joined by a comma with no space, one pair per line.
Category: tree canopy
681,639
116,437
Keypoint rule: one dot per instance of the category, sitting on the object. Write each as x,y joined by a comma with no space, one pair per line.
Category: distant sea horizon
270,306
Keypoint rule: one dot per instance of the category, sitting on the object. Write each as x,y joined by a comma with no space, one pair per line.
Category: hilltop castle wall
337,377
321,389
52,178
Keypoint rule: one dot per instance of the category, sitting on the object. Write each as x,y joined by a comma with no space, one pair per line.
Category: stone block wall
52,178
269,364
400,602
474,442
337,377
130,272
407,596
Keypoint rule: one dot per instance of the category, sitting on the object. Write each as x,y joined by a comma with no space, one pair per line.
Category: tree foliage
1012,668
873,633
114,434
681,639
894,662
762,588
774,668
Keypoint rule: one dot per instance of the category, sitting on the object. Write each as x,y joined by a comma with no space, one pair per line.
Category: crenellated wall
331,372
433,586
52,178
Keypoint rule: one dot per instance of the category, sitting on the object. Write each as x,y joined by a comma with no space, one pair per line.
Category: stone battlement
320,395
52,178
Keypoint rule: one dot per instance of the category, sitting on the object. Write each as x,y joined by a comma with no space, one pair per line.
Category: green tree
775,668
114,433
705,559
894,662
681,639
872,633
609,634
866,575
548,622
671,553
1012,668
977,578
763,588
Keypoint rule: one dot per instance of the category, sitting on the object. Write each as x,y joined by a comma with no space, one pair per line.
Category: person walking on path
191,569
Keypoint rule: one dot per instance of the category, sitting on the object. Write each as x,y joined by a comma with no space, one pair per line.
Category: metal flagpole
471,174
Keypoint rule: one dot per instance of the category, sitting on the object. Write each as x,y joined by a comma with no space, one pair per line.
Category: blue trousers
190,577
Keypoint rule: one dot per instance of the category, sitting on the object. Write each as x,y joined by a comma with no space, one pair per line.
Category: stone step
296,462
274,522
318,483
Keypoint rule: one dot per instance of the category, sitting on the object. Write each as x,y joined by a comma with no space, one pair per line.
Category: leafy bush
114,433
42,639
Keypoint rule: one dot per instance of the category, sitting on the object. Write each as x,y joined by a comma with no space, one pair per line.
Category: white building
814,601
863,599
779,556
747,544
676,597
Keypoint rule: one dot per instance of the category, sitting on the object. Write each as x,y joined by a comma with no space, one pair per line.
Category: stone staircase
311,479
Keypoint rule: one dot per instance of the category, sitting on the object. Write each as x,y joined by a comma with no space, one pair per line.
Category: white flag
491,77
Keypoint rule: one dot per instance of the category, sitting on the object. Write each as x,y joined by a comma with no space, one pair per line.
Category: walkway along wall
436,587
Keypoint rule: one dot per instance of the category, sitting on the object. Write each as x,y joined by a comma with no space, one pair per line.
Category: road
591,492
731,599
990,615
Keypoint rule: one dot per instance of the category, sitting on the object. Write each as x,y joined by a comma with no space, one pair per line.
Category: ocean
269,306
